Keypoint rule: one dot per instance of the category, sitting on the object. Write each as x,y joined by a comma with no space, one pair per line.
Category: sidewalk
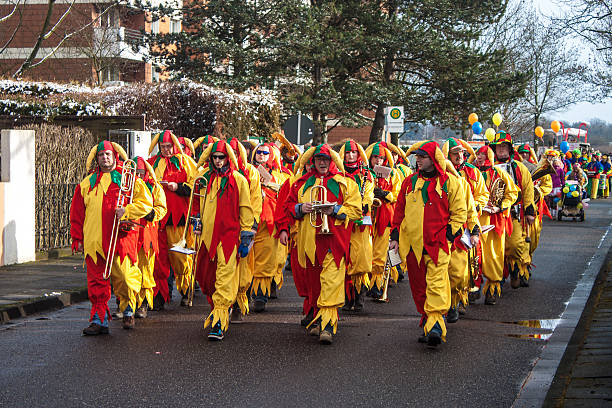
584,378
42,285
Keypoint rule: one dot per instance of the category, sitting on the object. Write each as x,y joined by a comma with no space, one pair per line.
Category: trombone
201,184
126,194
318,199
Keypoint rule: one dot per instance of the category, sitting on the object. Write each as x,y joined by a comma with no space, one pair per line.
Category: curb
538,382
41,304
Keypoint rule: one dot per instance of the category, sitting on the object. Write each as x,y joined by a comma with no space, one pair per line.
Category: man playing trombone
96,221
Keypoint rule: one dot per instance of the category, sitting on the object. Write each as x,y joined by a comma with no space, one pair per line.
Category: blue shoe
216,334
434,338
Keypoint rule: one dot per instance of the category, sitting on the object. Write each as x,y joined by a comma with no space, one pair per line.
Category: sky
582,111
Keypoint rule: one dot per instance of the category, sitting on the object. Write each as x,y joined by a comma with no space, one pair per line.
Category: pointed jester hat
220,146
378,149
431,149
204,141
394,149
117,150
455,144
486,150
142,164
351,146
323,150
187,146
166,136
525,148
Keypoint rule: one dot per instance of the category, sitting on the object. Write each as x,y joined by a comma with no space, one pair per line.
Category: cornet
126,194
318,199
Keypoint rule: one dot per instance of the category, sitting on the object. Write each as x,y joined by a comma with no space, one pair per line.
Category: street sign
299,129
394,119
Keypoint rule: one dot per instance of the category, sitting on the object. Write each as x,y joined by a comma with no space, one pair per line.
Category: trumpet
126,194
200,184
318,198
384,298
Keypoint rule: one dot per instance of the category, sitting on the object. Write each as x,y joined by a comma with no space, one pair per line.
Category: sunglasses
262,152
218,156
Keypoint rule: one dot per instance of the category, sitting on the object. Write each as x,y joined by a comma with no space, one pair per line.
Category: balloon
566,189
497,119
575,194
539,131
473,118
555,126
490,134
556,200
564,146
579,206
569,195
477,128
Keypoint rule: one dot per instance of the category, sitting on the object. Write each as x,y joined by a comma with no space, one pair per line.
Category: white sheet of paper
382,171
394,258
486,228
265,175
465,238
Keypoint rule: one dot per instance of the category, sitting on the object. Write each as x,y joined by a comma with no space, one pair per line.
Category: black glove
394,235
365,209
449,233
476,230
380,193
183,190
150,216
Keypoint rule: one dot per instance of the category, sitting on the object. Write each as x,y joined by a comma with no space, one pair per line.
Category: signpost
394,119
299,129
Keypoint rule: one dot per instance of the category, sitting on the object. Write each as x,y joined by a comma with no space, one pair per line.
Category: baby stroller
571,204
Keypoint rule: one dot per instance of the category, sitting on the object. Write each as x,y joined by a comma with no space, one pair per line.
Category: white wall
17,179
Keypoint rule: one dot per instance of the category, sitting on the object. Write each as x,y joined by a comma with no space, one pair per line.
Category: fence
53,215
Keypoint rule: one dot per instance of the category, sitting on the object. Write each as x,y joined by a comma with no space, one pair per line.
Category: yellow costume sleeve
244,202
351,205
472,214
159,202
142,202
368,192
189,165
396,182
526,187
481,194
255,190
456,204
545,186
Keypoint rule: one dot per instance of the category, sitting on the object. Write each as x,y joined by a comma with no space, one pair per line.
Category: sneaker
524,283
348,305
474,296
141,312
434,338
236,315
314,330
325,337
461,309
260,306
128,322
422,338
489,299
273,294
184,300
307,319
452,316
117,314
215,334
94,329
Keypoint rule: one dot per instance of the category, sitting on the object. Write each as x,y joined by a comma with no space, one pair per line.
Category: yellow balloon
472,118
565,190
575,194
490,134
555,126
497,119
539,131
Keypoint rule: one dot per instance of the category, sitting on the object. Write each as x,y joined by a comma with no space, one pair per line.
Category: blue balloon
573,187
569,194
564,146
556,200
477,128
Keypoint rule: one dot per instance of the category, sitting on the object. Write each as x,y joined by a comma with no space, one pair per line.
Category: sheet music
465,238
394,258
266,177
382,171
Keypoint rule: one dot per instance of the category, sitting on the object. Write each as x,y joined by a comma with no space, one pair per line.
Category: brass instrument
384,298
284,142
473,265
126,194
375,205
546,168
201,184
318,199
496,193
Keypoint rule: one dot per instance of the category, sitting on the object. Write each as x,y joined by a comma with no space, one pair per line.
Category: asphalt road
269,360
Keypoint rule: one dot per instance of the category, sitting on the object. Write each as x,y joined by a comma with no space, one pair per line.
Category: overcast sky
583,111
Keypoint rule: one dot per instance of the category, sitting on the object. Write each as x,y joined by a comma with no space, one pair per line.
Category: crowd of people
226,216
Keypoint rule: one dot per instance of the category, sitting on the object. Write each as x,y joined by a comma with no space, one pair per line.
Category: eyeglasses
262,152
218,156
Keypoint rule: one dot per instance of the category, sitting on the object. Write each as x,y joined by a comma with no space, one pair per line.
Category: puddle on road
546,324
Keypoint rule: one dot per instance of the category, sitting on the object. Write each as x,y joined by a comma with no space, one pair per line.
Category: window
155,27
175,26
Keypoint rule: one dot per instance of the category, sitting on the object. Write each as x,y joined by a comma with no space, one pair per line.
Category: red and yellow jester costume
385,190
92,212
148,246
227,220
429,215
177,168
323,256
360,264
246,266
